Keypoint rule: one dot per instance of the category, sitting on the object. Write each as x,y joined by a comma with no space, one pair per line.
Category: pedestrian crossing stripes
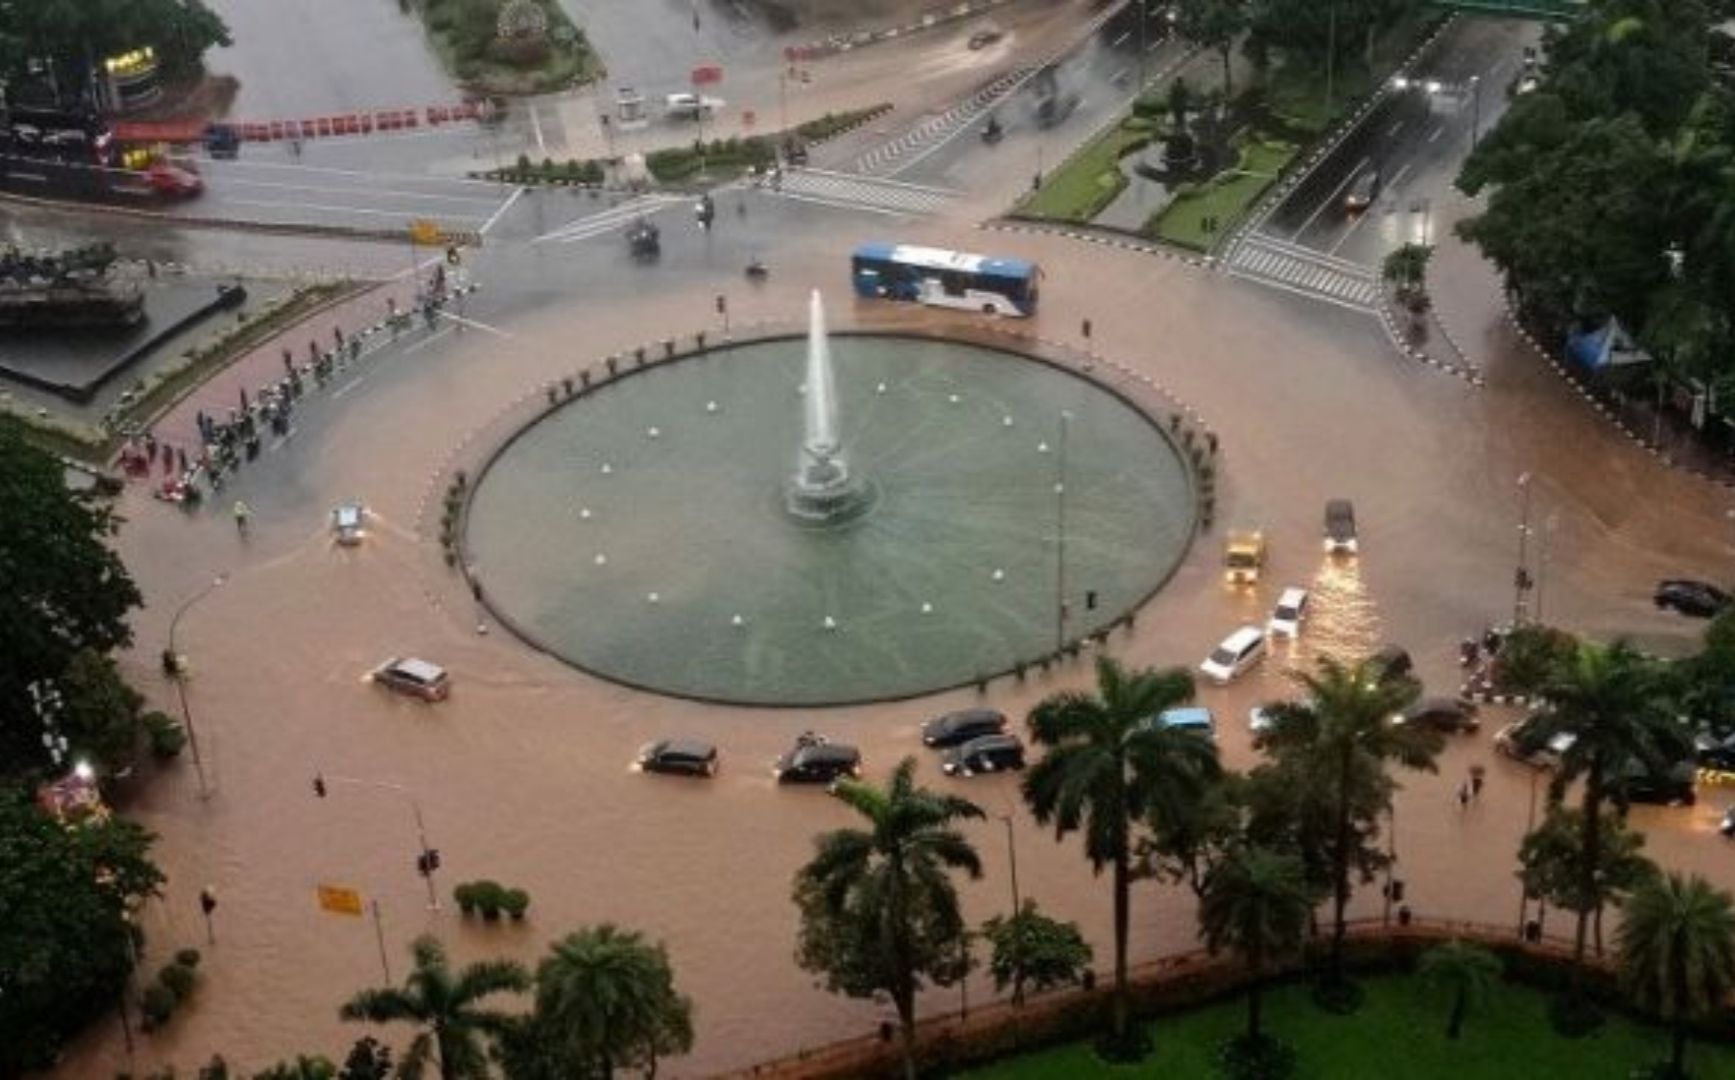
1288,266
873,194
891,158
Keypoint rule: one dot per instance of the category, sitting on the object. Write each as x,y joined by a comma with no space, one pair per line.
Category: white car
1239,651
1287,616
1259,721
690,106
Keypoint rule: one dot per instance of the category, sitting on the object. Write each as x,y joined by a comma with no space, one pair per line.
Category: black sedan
957,728
817,763
688,756
1442,714
1700,599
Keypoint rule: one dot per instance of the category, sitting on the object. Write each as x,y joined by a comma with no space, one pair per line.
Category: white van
1239,651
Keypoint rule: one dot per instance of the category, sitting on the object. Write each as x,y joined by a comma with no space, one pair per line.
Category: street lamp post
1521,577
180,677
1543,553
1017,908
1475,109
428,859
1529,827
1060,536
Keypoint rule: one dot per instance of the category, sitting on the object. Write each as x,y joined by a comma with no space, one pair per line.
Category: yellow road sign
340,900
425,232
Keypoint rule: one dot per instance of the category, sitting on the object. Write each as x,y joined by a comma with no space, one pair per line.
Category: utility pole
1060,536
1475,109
1521,576
1017,904
427,858
180,676
1543,553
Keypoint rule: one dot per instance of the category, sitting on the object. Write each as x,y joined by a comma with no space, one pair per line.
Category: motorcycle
992,132
756,270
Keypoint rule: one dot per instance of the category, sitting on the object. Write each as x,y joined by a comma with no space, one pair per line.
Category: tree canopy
77,33
62,588
65,943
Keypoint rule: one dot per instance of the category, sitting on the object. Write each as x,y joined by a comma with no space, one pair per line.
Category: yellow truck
1243,556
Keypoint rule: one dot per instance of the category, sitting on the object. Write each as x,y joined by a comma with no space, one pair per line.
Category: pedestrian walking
1463,795
337,335
1478,774
242,513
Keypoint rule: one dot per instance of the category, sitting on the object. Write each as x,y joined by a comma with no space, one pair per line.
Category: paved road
1414,140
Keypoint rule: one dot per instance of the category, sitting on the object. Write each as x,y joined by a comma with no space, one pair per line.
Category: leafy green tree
100,713
66,946
368,1059
1464,970
78,33
879,913
447,1005
606,1000
62,589
1677,948
1108,766
1189,835
1256,903
302,1068
1032,950
1333,751
1613,704
1214,24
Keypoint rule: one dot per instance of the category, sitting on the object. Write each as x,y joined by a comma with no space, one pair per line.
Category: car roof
1186,716
968,716
1241,638
826,752
1435,704
989,742
1339,506
693,748
1294,596
417,669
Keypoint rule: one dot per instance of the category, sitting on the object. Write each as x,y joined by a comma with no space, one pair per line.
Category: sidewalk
1472,309
263,365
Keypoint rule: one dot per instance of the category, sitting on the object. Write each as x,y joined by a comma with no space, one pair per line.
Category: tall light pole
180,677
1543,552
1143,18
1475,109
1521,576
428,859
1060,535
1017,904
1330,56
1529,827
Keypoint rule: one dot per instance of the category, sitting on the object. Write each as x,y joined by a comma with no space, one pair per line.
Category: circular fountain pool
642,532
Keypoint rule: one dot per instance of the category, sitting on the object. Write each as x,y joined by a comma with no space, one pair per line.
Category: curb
840,43
1602,408
466,237
1099,238
1389,321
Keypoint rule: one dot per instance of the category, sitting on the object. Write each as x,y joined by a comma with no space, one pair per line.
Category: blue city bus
953,279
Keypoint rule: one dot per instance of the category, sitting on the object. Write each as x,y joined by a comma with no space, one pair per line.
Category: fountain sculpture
822,490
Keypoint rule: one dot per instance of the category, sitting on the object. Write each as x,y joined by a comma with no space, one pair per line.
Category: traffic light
722,304
319,785
207,900
1090,600
427,862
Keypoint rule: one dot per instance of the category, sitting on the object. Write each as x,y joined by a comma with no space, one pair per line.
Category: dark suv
688,756
1443,714
956,728
1669,787
990,753
817,763
1391,662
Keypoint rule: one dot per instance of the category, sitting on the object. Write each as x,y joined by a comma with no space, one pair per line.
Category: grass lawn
1399,1032
1083,186
1227,199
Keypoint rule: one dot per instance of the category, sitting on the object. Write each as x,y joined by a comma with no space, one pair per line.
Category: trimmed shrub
178,979
465,896
488,895
156,1005
164,734
515,902
187,958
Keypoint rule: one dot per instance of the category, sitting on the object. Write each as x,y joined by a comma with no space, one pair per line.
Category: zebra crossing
606,221
847,191
1284,265
893,157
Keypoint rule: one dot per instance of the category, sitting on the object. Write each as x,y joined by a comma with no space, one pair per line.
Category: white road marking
837,204
402,214
1330,199
425,196
462,321
505,206
429,340
278,445
1394,129
1441,130
536,127
1116,43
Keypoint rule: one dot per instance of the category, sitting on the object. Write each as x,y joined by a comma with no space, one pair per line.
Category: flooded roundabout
816,521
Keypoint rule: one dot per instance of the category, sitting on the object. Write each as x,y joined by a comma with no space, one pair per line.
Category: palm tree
446,1005
1677,946
1256,903
1336,746
1464,970
1614,705
879,911
1108,764
606,999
